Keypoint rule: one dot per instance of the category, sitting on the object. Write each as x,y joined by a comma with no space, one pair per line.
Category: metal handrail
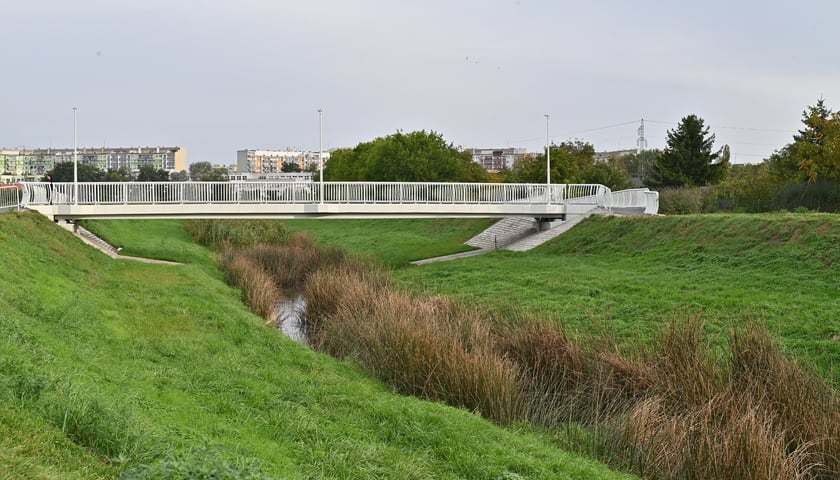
635,198
10,197
271,192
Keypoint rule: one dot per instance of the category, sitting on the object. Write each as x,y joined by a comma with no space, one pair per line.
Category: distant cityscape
251,164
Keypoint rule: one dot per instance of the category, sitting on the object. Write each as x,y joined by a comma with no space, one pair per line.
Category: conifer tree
688,159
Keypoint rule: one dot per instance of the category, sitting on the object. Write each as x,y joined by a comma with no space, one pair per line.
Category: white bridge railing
635,198
145,193
10,197
298,199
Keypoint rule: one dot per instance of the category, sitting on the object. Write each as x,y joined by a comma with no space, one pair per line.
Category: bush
680,201
749,188
820,196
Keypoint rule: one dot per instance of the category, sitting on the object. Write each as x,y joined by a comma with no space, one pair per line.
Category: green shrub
749,188
819,196
680,201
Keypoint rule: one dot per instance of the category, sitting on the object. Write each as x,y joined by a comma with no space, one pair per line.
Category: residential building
496,159
30,164
271,161
275,177
605,156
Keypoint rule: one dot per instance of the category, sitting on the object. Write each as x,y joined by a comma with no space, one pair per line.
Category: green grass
391,242
630,275
159,239
109,365
394,242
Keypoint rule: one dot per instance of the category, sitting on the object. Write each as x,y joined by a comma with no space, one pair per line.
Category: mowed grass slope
395,242
107,366
631,275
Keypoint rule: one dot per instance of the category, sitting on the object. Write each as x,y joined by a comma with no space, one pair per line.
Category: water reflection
288,313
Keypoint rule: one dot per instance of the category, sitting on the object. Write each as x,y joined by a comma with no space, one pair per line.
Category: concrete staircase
555,229
96,242
503,233
520,234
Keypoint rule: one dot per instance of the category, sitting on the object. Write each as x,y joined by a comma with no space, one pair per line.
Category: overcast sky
219,76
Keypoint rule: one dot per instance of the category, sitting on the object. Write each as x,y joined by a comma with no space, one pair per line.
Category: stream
288,312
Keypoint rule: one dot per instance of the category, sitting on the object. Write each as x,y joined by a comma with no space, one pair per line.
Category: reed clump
430,348
677,407
237,233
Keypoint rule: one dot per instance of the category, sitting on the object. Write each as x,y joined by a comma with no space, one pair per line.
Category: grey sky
218,76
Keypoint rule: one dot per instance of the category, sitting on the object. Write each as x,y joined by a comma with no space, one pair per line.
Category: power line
725,127
758,129
602,128
605,127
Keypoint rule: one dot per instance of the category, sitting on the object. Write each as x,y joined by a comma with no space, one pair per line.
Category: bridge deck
336,199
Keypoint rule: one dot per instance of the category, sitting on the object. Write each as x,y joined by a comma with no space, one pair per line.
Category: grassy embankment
109,365
630,276
394,242
678,407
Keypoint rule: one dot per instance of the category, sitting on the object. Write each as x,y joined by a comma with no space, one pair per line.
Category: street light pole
75,161
548,156
321,151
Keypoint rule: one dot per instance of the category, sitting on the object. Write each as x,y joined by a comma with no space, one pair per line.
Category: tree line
198,171
804,172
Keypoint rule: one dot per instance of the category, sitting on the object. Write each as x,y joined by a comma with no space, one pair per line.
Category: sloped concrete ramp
538,238
504,232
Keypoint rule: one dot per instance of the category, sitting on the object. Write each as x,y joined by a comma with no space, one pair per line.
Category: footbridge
122,200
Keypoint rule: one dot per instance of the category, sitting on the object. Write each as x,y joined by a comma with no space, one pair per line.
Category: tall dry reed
676,408
259,289
429,348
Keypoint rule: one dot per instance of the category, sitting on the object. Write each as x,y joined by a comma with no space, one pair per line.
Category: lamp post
321,151
548,157
75,161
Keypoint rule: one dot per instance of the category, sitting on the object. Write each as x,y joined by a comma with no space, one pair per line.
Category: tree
418,156
206,172
199,170
750,187
63,172
290,167
816,148
219,174
688,159
181,176
571,162
639,165
151,174
121,174
814,154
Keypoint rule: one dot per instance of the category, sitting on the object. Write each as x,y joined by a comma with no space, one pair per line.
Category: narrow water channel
288,314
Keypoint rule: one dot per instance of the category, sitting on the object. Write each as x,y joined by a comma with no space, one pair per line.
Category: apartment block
496,159
30,164
271,161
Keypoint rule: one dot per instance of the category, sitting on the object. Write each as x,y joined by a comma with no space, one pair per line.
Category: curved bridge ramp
520,234
506,231
555,229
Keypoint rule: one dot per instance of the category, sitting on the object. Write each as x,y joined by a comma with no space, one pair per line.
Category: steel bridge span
122,200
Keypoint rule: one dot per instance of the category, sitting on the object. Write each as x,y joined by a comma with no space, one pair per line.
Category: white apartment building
271,161
29,164
496,159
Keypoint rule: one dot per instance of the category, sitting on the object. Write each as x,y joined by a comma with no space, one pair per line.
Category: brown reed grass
259,289
677,408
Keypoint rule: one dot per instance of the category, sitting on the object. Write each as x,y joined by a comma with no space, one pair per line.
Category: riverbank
110,368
